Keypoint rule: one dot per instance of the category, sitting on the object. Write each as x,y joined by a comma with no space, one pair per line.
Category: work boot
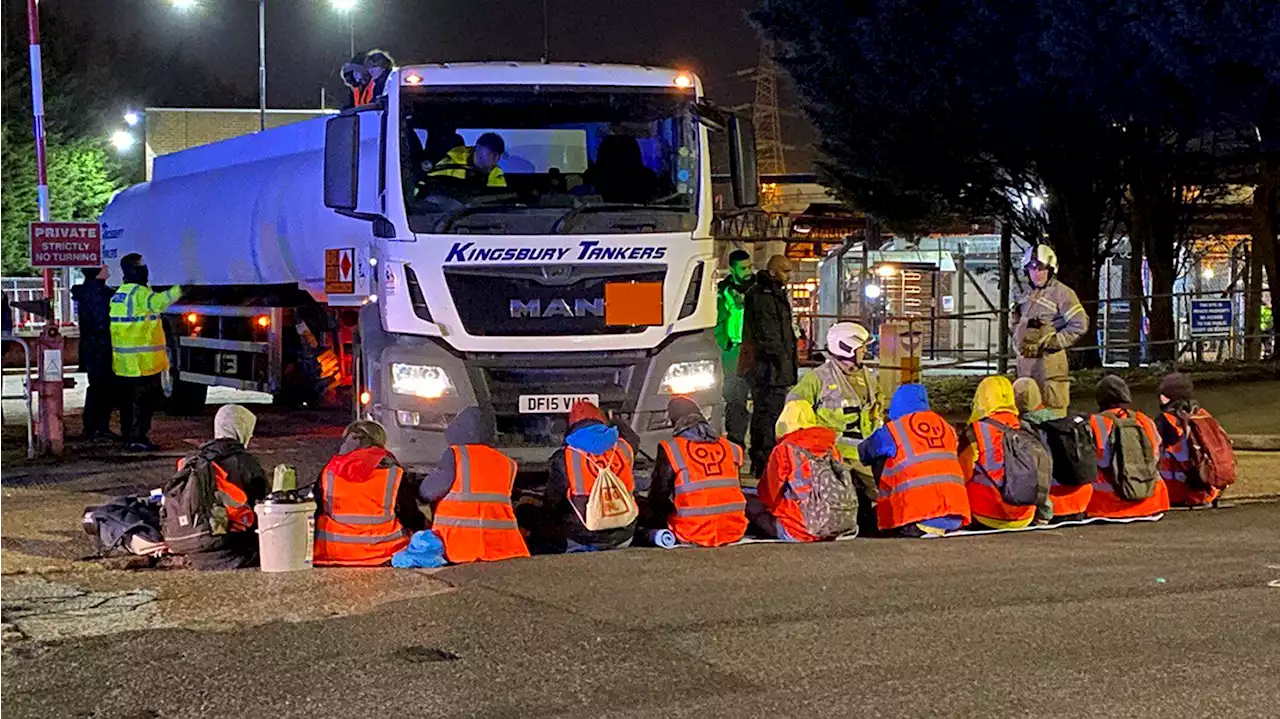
141,447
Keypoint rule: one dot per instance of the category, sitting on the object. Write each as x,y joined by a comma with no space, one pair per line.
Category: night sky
307,40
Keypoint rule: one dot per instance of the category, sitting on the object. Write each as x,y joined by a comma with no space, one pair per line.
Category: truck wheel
183,399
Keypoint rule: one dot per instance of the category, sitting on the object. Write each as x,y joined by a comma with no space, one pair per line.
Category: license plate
553,403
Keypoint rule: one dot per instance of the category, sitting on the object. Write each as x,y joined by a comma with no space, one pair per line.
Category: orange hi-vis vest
710,507
985,499
1105,502
475,519
924,479
358,526
1175,460
582,470
240,516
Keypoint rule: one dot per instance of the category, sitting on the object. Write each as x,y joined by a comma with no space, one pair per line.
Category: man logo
557,307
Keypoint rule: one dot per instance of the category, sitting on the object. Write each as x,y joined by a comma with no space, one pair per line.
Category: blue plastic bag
425,550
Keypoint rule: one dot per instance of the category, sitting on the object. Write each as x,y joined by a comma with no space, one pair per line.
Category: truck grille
554,300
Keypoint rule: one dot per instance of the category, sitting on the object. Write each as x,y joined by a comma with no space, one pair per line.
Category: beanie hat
1113,392
1026,395
584,410
1177,386
680,407
366,431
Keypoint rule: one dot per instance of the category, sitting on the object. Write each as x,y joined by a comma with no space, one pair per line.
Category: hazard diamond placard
339,271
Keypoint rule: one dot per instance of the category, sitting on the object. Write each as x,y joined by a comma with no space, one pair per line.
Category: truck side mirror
342,162
742,162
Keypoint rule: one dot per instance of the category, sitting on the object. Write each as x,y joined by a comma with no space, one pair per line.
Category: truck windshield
572,161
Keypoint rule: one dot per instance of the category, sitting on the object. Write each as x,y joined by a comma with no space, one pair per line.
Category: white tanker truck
328,253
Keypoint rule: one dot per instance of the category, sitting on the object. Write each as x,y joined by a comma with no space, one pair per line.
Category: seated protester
695,490
1177,406
917,470
803,452
982,456
1120,472
1069,501
470,488
366,511
590,445
239,482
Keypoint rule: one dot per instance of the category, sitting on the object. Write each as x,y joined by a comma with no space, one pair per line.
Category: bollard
49,432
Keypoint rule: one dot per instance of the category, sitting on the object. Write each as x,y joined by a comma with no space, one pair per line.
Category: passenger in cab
982,457
696,491
786,506
590,445
1128,483
917,468
1069,501
470,491
475,163
366,511
239,482
1178,468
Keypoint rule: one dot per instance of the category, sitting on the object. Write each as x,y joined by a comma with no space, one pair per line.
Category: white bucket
286,535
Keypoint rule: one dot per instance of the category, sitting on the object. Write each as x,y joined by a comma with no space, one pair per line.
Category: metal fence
23,289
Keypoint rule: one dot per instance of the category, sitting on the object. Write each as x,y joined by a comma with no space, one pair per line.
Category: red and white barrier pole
49,346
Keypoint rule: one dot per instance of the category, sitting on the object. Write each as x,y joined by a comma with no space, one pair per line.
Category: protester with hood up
774,509
982,456
471,489
93,315
139,352
1114,404
696,491
1068,501
366,509
590,445
1177,406
240,482
917,469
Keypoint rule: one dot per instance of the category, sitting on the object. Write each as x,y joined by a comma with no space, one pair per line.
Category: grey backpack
192,519
830,507
1028,466
1133,460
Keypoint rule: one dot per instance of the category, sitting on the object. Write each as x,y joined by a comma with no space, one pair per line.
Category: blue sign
1211,318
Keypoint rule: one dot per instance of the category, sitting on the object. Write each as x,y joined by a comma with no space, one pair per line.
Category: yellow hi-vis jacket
137,335
460,161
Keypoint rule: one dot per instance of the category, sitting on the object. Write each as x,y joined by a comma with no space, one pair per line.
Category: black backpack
1028,466
1073,448
192,518
1133,460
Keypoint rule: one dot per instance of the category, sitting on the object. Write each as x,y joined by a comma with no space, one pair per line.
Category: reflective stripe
356,538
464,471
139,350
911,460
142,318
474,523
388,512
711,509
988,463
710,483
919,482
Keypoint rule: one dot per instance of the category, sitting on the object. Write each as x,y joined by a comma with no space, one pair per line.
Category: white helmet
1040,254
844,339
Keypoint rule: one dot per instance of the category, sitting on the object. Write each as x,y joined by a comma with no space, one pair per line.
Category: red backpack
1212,460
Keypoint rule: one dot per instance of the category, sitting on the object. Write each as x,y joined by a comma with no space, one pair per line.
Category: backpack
1212,460
1133,461
192,519
830,507
1028,466
610,504
1073,449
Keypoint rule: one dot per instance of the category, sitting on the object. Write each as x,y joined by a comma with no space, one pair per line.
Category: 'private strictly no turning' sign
66,244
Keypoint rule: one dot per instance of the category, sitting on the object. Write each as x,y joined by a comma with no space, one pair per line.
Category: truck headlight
689,377
420,380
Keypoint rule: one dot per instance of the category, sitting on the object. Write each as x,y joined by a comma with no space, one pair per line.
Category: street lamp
123,140
348,7
132,118
262,54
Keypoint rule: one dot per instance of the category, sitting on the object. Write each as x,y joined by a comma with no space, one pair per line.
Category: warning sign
66,244
339,271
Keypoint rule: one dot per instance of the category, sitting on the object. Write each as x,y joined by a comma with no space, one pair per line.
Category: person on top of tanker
366,74
478,163
1047,322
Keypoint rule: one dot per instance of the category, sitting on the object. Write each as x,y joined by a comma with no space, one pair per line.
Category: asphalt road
1168,619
